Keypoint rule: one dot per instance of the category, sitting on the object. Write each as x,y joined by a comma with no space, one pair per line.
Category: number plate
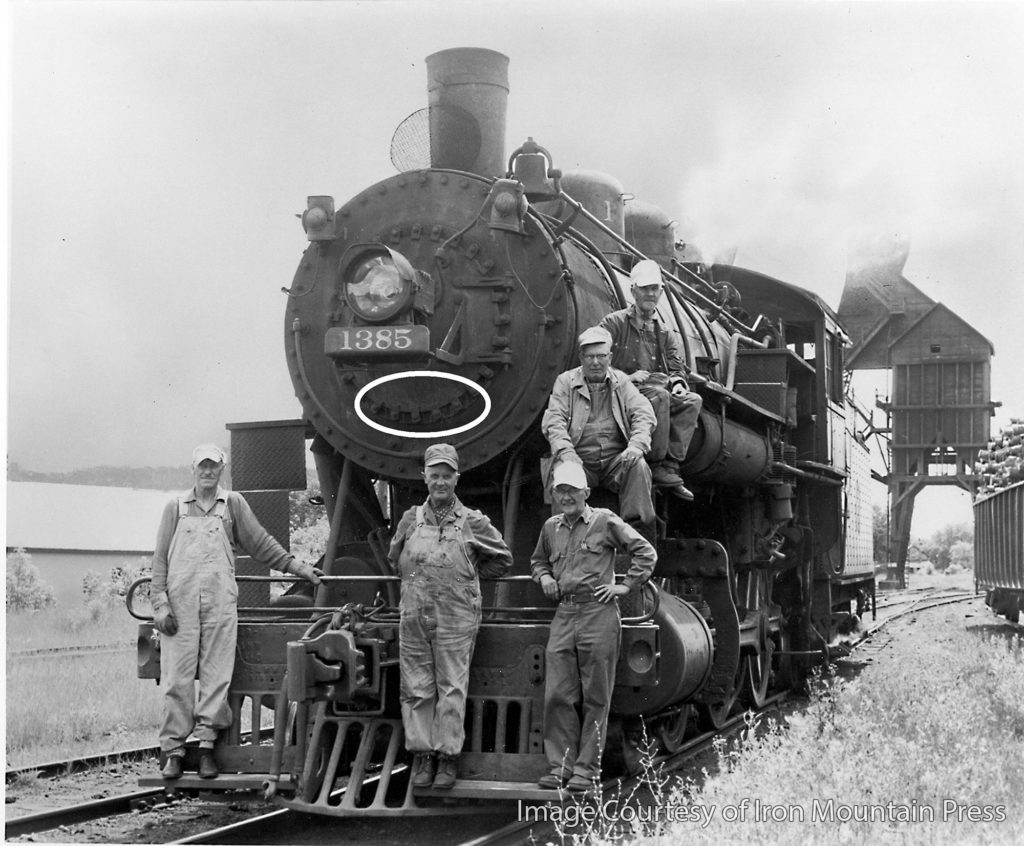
363,342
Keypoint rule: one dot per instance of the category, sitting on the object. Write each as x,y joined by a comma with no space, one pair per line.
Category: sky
159,153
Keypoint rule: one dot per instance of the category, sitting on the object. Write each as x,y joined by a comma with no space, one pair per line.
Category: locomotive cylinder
726,452
468,96
686,649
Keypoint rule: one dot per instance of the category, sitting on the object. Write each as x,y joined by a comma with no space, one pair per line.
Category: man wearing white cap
597,418
194,597
574,562
440,549
651,353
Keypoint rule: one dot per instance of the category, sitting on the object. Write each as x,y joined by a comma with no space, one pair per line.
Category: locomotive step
497,791
224,781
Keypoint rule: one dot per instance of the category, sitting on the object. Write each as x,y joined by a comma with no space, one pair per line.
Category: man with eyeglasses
651,354
574,563
596,417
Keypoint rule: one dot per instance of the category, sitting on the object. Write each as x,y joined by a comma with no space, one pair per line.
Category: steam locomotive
439,305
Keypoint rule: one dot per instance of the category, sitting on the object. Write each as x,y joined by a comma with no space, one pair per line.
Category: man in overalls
651,354
574,563
440,549
195,596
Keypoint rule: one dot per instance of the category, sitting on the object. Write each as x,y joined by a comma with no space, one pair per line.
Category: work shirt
580,555
601,438
570,404
242,529
485,547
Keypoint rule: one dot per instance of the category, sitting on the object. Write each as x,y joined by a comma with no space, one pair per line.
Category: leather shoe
551,781
681,491
423,768
446,772
172,767
207,766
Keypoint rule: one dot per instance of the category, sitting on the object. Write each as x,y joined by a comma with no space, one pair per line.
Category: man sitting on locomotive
574,563
651,354
440,549
596,417
195,604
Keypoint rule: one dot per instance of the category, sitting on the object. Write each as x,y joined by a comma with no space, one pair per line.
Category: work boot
446,771
207,766
665,476
552,781
579,784
423,768
172,766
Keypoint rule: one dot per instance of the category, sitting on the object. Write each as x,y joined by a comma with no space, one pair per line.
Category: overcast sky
160,151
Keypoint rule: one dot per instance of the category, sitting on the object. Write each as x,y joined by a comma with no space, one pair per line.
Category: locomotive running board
496,791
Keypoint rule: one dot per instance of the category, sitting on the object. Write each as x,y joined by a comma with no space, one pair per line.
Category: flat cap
441,454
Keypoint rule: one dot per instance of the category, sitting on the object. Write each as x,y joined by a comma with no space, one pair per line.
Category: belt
576,598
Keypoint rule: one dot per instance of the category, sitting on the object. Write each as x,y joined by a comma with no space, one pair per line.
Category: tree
26,590
939,546
961,555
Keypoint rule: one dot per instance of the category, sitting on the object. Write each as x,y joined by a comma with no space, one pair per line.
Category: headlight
379,285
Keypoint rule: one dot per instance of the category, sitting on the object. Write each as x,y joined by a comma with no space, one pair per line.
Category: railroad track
69,651
83,812
50,769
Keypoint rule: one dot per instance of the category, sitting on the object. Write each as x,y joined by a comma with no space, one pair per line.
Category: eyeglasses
596,357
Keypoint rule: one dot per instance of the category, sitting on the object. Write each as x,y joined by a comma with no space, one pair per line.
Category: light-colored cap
208,451
595,335
569,473
646,272
441,454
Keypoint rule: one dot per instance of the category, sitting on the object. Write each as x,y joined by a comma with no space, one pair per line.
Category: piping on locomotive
440,304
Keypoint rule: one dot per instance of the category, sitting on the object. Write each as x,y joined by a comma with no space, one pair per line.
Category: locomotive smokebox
468,98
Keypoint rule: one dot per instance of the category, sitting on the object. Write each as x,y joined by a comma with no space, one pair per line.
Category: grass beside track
61,707
925,747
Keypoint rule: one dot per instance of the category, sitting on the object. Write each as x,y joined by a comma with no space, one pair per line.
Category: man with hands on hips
574,563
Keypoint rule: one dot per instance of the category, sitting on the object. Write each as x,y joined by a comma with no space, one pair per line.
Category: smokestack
468,95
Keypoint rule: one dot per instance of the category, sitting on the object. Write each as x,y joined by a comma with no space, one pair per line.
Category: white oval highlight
427,374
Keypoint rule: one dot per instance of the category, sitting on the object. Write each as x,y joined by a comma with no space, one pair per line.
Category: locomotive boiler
439,305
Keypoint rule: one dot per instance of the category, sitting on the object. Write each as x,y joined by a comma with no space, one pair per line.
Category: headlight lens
379,287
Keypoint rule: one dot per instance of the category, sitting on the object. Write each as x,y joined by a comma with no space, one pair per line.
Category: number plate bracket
377,342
